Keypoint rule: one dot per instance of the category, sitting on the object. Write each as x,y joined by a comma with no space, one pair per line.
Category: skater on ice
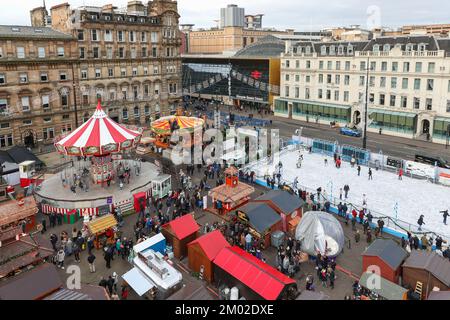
346,190
420,222
359,170
445,215
370,174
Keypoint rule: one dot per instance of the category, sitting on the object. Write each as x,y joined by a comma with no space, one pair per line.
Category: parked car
350,132
432,161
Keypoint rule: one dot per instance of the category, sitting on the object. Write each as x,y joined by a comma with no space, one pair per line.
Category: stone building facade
130,58
52,78
36,84
408,85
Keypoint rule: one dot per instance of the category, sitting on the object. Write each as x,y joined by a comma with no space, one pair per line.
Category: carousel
163,128
102,176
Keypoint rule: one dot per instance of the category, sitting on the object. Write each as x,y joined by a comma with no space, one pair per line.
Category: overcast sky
302,15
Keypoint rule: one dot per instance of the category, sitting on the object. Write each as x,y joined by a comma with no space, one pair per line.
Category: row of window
417,103
394,66
43,77
122,53
25,102
42,52
121,35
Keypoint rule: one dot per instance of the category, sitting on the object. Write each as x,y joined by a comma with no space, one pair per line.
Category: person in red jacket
361,216
400,174
354,214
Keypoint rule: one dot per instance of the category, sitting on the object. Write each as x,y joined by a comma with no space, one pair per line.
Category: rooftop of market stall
281,201
387,289
179,232
254,278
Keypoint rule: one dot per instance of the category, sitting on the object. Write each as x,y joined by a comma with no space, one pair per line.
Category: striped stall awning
83,212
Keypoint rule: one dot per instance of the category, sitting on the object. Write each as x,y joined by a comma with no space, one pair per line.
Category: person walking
54,241
91,262
60,256
359,170
340,194
116,280
346,190
370,174
108,256
76,251
445,215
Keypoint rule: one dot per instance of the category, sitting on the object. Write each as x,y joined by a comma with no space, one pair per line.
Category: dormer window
409,47
376,48
341,50
386,48
350,49
308,49
323,50
332,50
422,47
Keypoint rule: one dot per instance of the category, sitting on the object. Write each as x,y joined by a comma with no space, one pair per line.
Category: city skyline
291,14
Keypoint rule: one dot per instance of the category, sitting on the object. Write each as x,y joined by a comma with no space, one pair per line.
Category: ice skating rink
414,197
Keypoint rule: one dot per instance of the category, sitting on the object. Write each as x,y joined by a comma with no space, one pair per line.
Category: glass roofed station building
251,76
407,80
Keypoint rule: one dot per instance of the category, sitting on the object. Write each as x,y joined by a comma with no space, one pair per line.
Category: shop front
320,112
441,130
401,124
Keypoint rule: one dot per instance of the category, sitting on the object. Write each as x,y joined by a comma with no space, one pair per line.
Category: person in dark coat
420,222
445,215
110,285
108,257
54,241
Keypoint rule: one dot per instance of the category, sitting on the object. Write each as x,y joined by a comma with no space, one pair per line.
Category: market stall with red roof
179,233
255,279
203,251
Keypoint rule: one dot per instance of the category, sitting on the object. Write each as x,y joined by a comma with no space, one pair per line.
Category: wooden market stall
22,211
203,251
261,219
102,229
387,290
161,186
255,279
231,195
387,255
179,233
423,271
287,205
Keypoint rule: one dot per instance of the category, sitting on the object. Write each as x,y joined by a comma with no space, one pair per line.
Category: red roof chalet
263,279
182,227
211,243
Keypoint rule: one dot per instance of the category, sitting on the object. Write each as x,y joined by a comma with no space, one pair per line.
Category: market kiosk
261,220
161,186
102,229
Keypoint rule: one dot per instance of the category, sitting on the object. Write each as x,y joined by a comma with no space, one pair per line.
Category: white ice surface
414,197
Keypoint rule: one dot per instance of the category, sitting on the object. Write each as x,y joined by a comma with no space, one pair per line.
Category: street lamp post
366,105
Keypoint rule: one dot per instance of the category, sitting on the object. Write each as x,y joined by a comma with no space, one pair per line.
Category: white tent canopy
320,232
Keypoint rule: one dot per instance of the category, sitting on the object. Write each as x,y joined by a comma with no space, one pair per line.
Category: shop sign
242,216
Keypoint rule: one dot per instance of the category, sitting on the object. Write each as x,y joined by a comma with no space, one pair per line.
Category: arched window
136,112
376,48
308,50
147,110
323,50
387,48
125,113
409,47
422,47
341,50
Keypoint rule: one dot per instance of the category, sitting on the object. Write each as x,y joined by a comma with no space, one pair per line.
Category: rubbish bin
277,238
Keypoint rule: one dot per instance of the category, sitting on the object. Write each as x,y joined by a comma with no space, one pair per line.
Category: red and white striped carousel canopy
98,136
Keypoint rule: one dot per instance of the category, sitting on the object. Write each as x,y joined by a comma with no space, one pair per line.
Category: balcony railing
429,54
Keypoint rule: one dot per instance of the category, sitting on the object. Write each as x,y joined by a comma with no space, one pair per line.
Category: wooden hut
287,205
255,279
261,219
388,256
101,228
424,270
179,233
203,251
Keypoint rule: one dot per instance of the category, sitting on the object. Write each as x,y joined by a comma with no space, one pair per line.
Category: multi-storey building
127,57
36,84
408,84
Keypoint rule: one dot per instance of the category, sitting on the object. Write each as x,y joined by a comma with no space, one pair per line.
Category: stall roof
312,295
87,292
32,285
387,290
285,201
189,292
227,193
439,295
431,262
22,154
211,243
261,215
10,211
101,224
183,227
388,251
146,244
138,281
265,280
